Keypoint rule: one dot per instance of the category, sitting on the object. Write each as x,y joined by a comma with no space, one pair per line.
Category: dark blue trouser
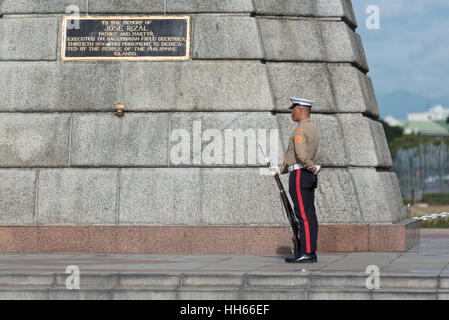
302,184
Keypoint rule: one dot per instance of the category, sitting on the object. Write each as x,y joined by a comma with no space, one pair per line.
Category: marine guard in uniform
299,161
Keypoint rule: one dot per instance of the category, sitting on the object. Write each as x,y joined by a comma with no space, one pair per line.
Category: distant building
434,113
427,128
433,122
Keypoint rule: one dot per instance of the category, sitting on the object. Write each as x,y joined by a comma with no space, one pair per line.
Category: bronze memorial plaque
129,38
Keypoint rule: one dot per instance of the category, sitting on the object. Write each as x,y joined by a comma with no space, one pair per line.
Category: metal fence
422,169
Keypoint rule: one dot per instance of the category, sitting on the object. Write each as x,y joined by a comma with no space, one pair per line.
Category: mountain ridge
399,103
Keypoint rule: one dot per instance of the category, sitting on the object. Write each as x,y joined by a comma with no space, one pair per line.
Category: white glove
316,168
274,170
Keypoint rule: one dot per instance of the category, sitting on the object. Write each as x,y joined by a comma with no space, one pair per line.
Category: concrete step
147,293
255,280
223,286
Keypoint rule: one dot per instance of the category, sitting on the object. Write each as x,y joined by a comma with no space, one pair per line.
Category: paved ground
431,257
421,273
420,209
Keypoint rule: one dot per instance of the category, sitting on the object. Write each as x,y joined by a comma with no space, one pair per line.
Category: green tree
391,132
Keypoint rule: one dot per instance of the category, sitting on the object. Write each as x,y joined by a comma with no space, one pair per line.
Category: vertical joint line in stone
340,125
36,197
356,53
58,39
326,64
279,137
181,280
362,215
345,144
70,139
192,38
253,9
259,35
118,280
169,138
315,8
117,198
331,82
54,280
123,65
323,45
165,7
375,145
201,195
262,44
270,88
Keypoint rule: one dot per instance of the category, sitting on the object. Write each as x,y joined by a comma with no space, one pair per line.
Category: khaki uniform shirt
302,146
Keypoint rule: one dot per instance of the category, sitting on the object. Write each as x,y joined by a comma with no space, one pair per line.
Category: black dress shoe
303,258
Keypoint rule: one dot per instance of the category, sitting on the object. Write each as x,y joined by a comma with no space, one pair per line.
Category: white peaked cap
301,102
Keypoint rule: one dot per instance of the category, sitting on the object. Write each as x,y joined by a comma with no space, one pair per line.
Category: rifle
288,208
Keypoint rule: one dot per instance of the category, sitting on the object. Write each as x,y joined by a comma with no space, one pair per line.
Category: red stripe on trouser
301,207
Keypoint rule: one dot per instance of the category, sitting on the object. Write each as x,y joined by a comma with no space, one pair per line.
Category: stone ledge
190,86
296,8
196,196
198,85
148,139
210,239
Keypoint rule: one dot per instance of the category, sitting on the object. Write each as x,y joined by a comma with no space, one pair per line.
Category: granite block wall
66,159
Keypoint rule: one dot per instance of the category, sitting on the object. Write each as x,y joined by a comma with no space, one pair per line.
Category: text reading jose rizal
151,38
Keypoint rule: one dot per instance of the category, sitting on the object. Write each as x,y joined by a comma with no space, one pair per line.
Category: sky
410,51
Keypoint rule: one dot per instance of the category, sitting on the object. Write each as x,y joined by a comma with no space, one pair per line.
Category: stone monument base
251,240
